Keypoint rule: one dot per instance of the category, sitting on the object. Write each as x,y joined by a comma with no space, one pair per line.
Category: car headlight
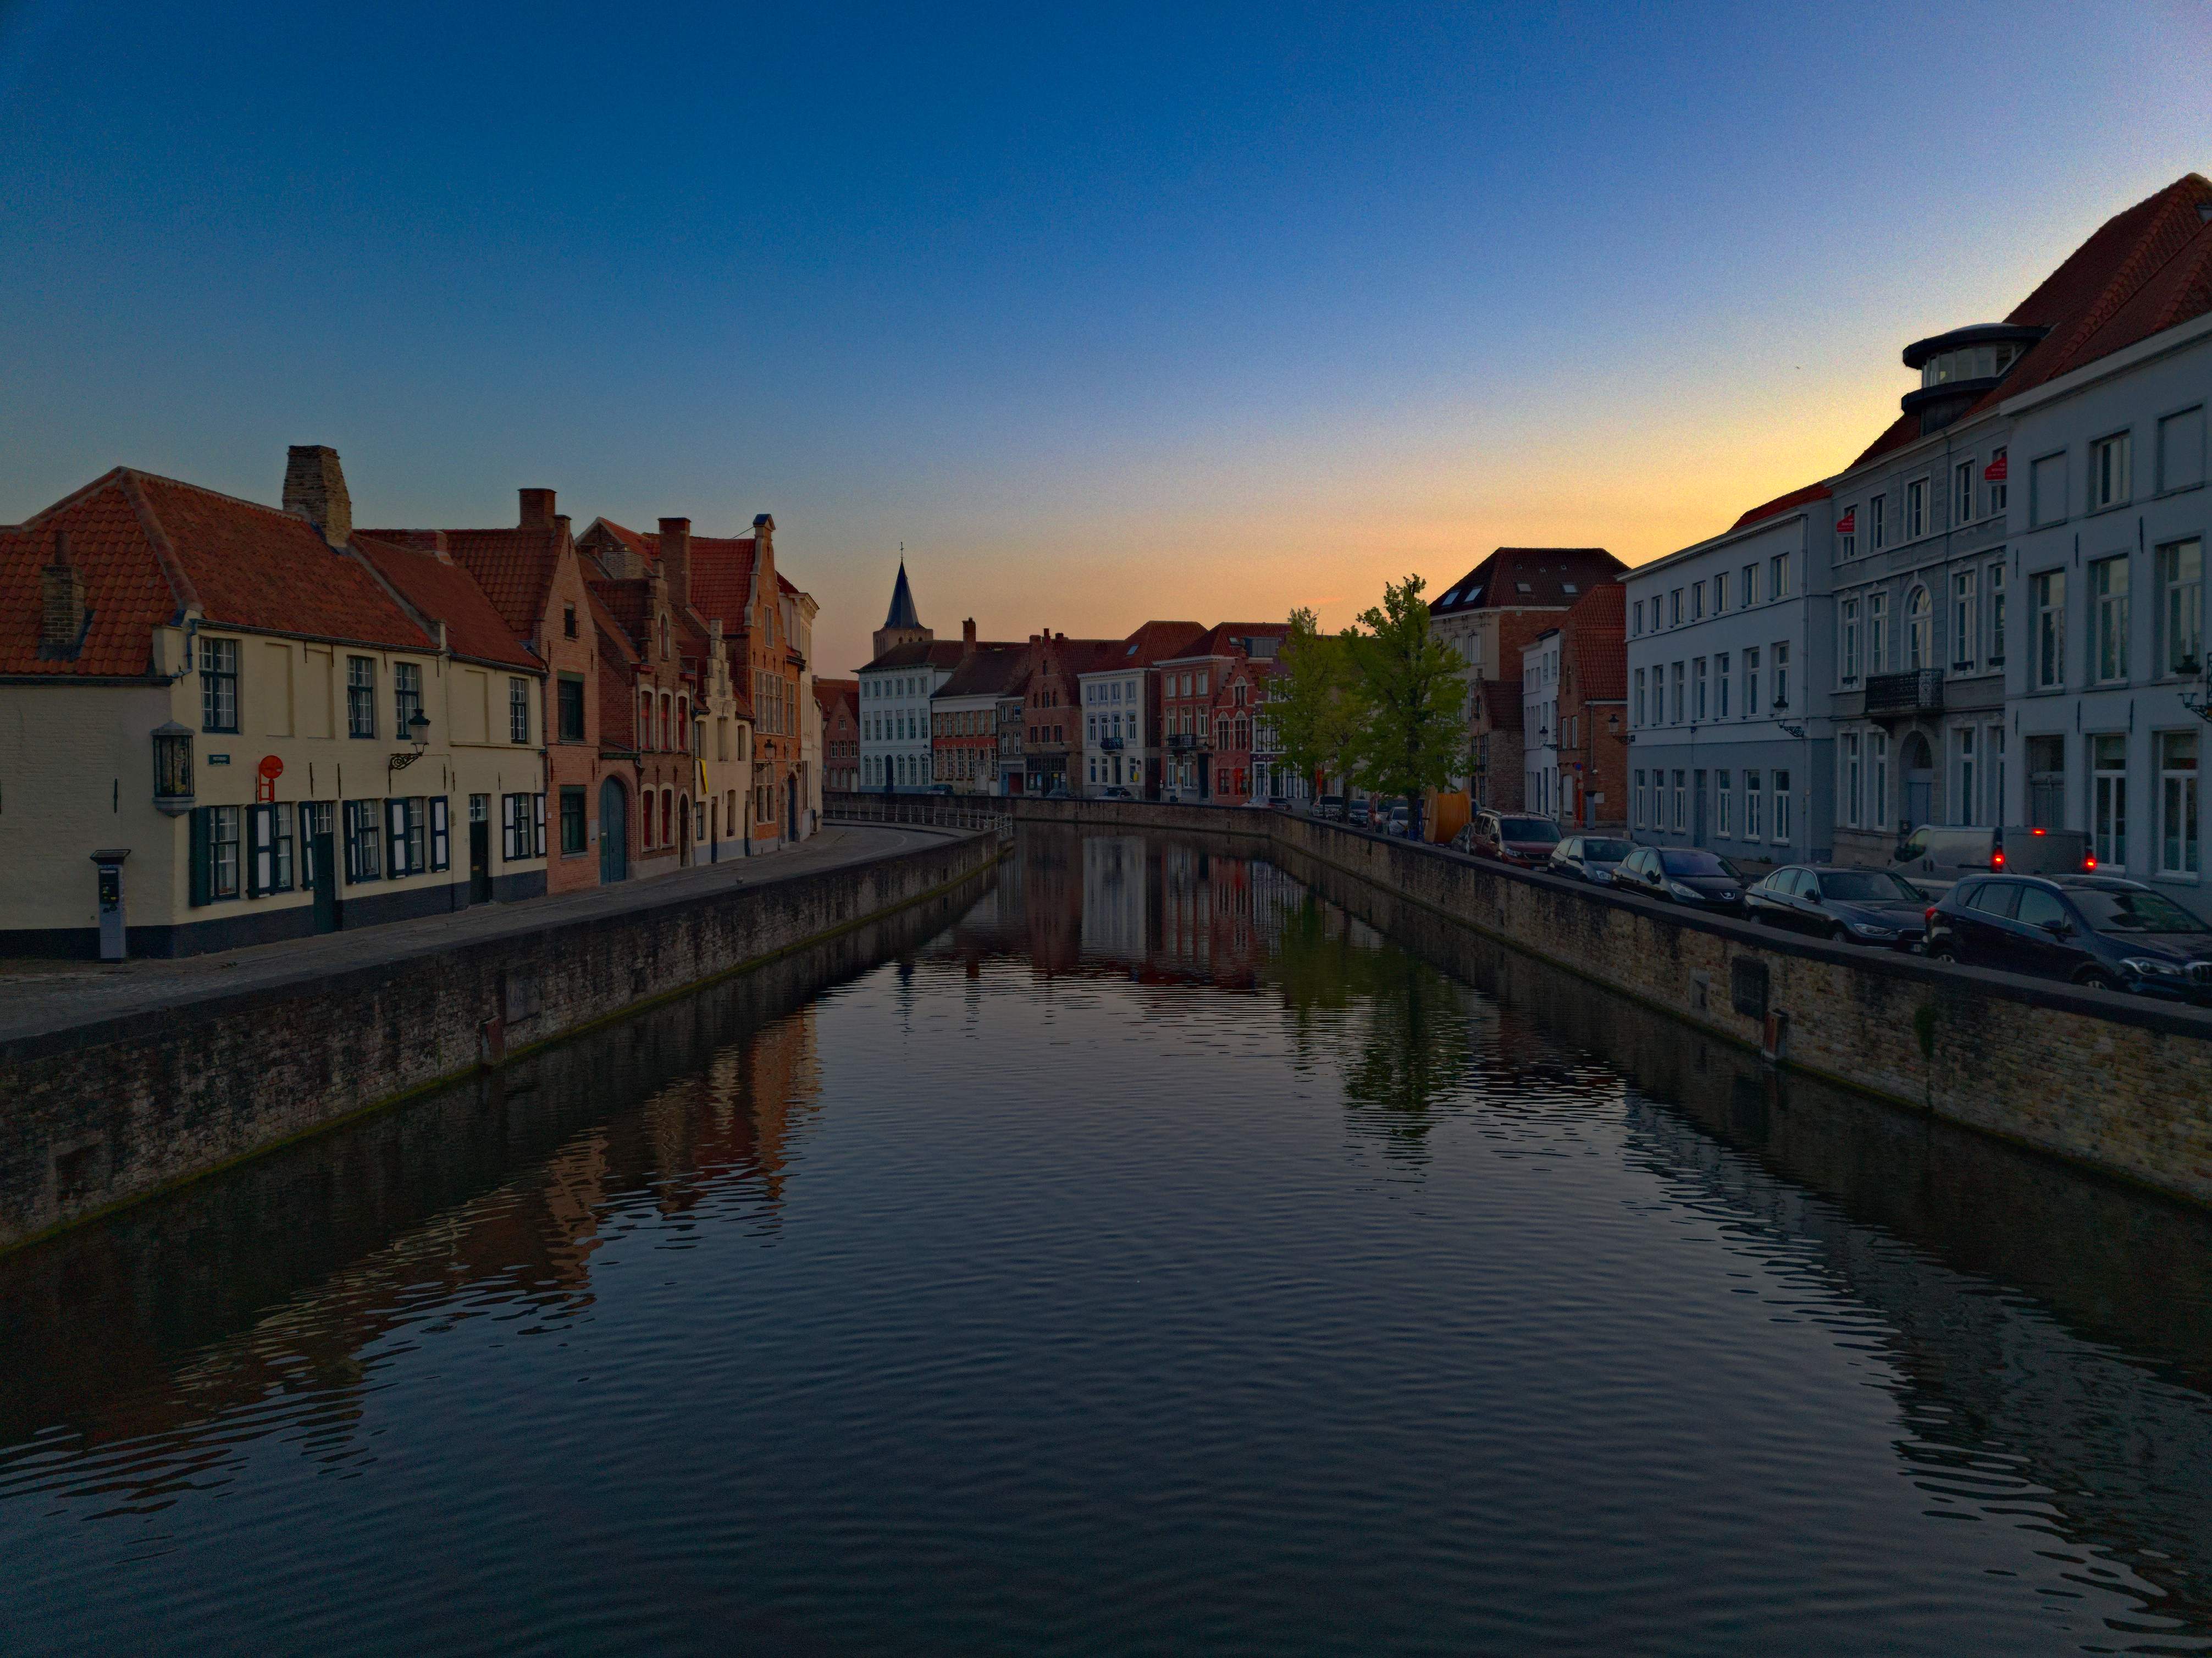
1682,891
2144,967
1873,930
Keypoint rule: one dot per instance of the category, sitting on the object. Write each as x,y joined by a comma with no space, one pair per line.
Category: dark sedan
1591,858
2101,931
1851,906
1689,876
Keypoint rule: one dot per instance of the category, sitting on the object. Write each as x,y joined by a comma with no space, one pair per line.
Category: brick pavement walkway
40,996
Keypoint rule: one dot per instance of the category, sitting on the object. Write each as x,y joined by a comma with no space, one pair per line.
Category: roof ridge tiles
165,558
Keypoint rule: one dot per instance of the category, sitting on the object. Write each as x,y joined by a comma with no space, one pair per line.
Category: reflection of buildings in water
1112,922
736,1118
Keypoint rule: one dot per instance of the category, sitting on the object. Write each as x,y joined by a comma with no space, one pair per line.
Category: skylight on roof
1566,587
1523,585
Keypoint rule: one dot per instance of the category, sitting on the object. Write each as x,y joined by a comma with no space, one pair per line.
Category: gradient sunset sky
1191,311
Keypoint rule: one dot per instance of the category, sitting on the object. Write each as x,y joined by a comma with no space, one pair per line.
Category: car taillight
1996,859
2089,861
1927,916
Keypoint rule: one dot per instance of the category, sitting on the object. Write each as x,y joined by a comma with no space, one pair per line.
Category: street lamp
418,739
172,768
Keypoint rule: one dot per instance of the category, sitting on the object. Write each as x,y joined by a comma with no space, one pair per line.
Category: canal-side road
39,997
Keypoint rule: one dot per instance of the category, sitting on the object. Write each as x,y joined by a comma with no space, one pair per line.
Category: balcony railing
1920,691
1111,744
1182,742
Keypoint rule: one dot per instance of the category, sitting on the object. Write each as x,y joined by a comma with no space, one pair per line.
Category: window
361,697
1641,820
2181,450
2108,471
572,832
1640,696
518,711
571,695
1995,749
1674,608
2047,594
1916,509
2046,782
2108,597
1679,682
219,685
1878,523
1962,493
1782,806
1750,585
1965,621
1849,609
2046,489
1919,630
1697,600
364,852
406,698
268,849
1847,535
522,825
1721,686
1877,606
2108,782
215,854
1997,614
1681,801
2178,835
1993,475
1778,576
1700,700
1782,674
1851,779
405,828
2181,608
1751,682
1723,805
1964,797
441,839
1720,592
1751,806
1877,801
1636,617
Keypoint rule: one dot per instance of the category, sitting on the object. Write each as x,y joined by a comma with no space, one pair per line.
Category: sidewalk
40,996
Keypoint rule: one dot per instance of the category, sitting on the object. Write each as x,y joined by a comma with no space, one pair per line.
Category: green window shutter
441,854
200,854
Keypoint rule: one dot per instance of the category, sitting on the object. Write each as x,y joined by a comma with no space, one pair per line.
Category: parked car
1512,837
1934,855
1356,814
1329,807
1397,821
1116,795
1058,791
1591,858
1682,875
1851,906
2097,930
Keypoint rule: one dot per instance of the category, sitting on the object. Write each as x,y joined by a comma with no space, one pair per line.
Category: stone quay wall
106,1113
2118,1084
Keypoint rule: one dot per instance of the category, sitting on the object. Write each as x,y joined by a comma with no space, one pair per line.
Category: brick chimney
537,509
315,489
61,595
675,558
968,637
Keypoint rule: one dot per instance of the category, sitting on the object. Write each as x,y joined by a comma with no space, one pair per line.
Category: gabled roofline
2179,337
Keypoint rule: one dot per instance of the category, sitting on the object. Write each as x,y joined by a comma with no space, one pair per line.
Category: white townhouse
1729,747
1120,701
1539,723
895,689
2108,693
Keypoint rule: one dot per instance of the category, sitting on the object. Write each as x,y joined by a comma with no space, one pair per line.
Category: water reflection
1160,1249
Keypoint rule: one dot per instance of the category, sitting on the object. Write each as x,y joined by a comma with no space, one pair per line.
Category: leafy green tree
1311,706
1411,731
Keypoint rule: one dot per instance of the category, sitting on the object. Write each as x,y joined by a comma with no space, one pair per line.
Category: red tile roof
1782,503
439,589
988,671
1159,641
1547,573
830,692
1596,640
1499,700
149,546
514,568
2143,270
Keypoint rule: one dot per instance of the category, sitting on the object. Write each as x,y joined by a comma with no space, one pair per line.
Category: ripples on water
1151,1259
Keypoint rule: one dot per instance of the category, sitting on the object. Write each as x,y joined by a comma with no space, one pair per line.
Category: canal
1152,1250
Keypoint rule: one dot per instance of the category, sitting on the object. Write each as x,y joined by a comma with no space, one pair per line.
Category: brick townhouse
963,715
1592,734
1052,714
1209,700
840,702
273,720
1496,746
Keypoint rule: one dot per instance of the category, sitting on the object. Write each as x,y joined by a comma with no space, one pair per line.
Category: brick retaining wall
2116,1083
107,1113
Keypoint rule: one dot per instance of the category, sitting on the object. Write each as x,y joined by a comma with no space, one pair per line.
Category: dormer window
1978,362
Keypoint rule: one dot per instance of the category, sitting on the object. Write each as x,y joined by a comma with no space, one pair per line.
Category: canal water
1155,1250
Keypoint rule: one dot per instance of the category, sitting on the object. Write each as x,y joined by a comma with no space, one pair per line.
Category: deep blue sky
1188,312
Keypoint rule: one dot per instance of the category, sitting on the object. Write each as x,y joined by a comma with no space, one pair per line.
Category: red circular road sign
270,767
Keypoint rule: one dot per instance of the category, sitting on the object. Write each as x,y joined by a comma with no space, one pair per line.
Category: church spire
902,623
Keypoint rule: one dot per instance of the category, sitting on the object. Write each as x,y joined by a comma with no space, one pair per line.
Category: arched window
645,720
683,724
667,817
665,708
1919,626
